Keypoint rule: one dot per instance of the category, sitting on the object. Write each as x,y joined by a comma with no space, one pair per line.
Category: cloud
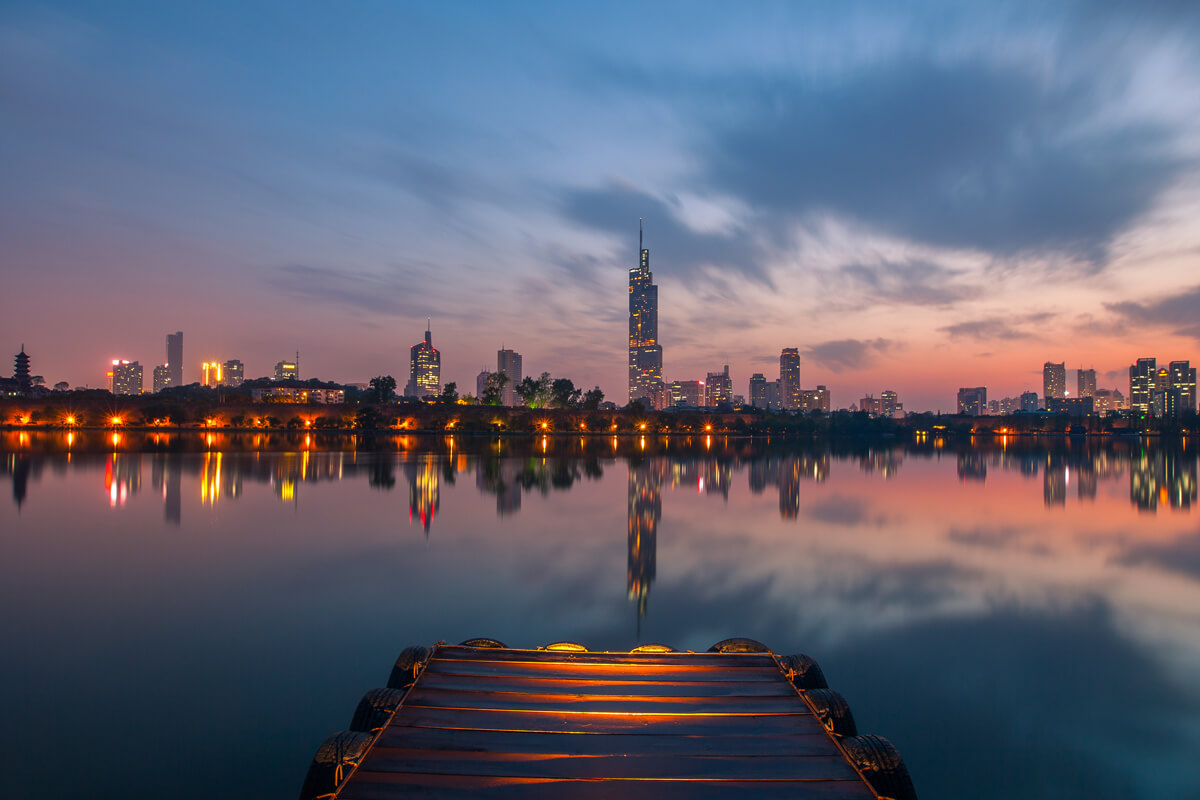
911,282
683,251
845,354
382,295
1181,556
995,327
1177,312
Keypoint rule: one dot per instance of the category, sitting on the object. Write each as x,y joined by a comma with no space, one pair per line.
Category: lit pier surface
468,721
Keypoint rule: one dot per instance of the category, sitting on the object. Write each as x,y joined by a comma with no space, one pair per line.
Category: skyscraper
718,388
645,353
175,358
789,378
1085,382
126,377
758,390
287,370
162,377
972,401
424,368
1141,384
1054,381
1181,391
234,372
509,362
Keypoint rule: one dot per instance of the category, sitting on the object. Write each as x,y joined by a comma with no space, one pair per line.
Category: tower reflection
645,510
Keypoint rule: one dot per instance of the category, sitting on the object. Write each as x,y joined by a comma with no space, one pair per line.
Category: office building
758,390
162,377
424,368
889,403
1181,388
509,363
813,399
1029,402
1142,376
1085,382
789,378
1054,380
687,393
481,382
211,373
126,377
288,370
233,373
972,401
871,405
1106,400
645,353
174,363
718,388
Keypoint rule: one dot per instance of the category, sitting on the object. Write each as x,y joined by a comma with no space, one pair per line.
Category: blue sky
919,196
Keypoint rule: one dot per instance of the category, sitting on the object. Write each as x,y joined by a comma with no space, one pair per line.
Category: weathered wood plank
600,672
717,743
559,657
626,704
676,724
614,686
384,786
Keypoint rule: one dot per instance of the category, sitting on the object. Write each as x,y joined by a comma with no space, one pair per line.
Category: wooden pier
484,720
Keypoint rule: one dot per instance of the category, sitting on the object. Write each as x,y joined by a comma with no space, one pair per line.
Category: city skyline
1042,188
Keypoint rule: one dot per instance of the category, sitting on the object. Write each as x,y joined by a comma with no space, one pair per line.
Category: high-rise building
1029,402
1141,384
1181,389
233,372
889,403
718,388
174,363
871,405
687,393
126,377
814,399
21,372
481,382
424,368
509,362
162,377
972,402
758,390
287,370
1085,382
645,353
1054,380
789,378
211,373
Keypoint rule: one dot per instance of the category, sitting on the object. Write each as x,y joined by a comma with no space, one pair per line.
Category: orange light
115,420
70,420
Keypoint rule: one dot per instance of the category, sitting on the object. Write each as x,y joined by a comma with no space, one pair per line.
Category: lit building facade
424,368
1054,380
126,377
972,401
211,373
814,399
509,362
687,393
1085,382
233,372
718,388
789,378
162,377
1141,384
287,370
645,353
758,390
889,403
1029,402
1181,388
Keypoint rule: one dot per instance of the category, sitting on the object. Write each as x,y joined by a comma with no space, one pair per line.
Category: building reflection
424,491
166,476
787,473
122,477
1162,478
645,510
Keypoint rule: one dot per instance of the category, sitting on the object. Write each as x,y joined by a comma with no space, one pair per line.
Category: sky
919,196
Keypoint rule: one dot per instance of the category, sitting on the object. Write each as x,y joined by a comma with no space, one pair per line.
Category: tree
367,418
563,393
450,393
535,393
493,390
592,399
383,386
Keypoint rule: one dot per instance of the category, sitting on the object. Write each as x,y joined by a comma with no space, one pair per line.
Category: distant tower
175,358
1085,382
21,372
1054,381
789,378
645,353
509,362
424,368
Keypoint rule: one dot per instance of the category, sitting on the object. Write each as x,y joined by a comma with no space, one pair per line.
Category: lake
191,614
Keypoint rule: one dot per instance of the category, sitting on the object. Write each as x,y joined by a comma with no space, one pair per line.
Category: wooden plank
625,704
615,686
610,767
386,786
563,657
474,741
562,722
600,672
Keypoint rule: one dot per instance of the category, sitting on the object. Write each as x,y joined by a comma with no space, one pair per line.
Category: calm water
189,616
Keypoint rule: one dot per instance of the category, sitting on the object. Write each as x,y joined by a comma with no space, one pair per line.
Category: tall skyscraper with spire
645,353
424,368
